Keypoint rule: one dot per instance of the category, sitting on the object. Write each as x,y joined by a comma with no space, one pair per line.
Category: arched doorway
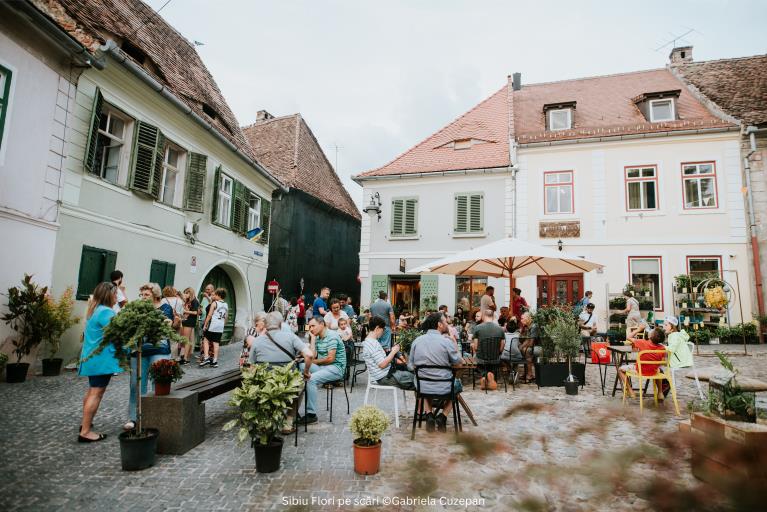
220,279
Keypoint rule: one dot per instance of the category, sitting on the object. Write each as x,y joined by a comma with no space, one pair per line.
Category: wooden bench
180,416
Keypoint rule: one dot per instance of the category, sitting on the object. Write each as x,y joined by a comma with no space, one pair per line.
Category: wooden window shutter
266,214
93,136
411,216
95,266
461,213
147,159
157,272
239,207
170,274
397,217
475,213
216,185
194,192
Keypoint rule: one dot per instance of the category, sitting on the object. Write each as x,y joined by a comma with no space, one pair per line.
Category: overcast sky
375,78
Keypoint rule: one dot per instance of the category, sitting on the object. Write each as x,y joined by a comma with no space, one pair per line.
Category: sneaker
214,364
183,362
430,424
206,362
308,419
441,421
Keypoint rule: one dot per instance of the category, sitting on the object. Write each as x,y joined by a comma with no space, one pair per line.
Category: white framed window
641,188
699,186
224,214
560,119
172,170
662,110
646,274
254,212
112,138
558,192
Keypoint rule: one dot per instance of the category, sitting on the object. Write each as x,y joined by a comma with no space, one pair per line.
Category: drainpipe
114,50
751,131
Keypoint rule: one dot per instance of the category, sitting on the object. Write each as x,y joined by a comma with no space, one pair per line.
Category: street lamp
374,208
560,244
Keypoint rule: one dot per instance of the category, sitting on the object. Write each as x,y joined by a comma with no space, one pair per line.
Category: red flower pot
367,459
161,388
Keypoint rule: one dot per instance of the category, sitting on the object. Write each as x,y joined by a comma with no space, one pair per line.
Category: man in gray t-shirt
382,309
264,350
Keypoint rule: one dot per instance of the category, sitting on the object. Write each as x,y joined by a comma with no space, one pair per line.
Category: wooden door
560,289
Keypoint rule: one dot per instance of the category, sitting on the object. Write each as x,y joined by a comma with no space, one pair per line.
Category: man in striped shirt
379,364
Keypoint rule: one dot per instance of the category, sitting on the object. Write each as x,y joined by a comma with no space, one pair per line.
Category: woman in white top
334,315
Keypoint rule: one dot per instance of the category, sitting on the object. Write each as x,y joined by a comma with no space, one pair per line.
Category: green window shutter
397,217
239,207
411,216
461,213
266,214
157,272
194,192
93,136
170,274
476,212
159,157
95,266
147,145
214,207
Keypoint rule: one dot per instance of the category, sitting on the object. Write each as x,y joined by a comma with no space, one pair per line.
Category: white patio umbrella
508,257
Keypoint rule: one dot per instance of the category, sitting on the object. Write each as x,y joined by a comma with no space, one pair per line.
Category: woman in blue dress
99,368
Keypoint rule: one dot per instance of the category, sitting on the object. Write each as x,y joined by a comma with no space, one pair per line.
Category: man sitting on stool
329,363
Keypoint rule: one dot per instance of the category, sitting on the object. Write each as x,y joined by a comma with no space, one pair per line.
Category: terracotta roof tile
289,149
737,86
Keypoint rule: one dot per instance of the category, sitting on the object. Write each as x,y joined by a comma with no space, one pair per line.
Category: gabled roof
606,107
289,149
174,61
737,86
487,123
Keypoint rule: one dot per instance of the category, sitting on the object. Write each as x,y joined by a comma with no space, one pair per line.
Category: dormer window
659,106
559,116
661,110
462,144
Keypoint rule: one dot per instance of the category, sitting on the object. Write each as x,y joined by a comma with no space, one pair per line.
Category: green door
220,279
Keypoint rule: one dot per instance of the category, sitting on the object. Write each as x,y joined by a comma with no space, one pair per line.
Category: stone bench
180,416
745,383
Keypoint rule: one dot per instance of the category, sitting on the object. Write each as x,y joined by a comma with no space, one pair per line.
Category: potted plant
139,324
550,370
29,316
163,372
61,319
368,423
405,339
260,404
3,362
618,303
567,340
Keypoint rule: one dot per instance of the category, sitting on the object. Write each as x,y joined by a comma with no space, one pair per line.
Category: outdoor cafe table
620,356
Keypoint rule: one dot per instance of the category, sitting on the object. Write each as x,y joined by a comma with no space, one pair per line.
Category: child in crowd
344,330
656,338
213,328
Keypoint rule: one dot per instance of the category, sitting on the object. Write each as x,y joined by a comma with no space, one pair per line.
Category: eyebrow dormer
658,106
559,116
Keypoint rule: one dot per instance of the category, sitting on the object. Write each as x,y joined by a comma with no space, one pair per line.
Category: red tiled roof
605,107
289,149
487,123
176,63
737,86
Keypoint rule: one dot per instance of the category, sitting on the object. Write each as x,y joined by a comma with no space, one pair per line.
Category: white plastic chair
691,345
375,387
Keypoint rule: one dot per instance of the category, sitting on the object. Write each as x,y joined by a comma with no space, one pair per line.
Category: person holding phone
384,369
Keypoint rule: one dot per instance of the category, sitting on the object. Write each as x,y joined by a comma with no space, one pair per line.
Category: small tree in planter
163,372
30,317
405,339
60,312
567,339
368,423
260,403
137,325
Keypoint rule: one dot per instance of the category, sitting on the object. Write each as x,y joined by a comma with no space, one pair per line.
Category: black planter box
554,374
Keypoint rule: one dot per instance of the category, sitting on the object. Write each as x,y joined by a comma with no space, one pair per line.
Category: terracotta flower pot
367,459
161,388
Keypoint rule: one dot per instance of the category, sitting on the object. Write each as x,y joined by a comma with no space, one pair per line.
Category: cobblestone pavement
44,468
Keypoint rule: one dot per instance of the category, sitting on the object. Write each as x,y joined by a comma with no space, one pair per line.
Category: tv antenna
337,148
675,38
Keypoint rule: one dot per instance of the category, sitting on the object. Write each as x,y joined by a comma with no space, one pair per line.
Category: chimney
680,55
516,81
263,115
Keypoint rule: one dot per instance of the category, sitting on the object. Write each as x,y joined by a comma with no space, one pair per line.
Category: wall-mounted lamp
560,244
374,208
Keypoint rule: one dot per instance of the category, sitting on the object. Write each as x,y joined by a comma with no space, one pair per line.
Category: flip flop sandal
81,439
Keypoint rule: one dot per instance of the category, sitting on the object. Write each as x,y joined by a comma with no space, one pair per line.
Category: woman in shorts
99,368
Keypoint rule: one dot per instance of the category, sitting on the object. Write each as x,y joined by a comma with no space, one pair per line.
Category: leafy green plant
618,303
727,399
61,319
683,281
618,318
261,401
736,333
28,315
567,339
700,336
405,339
368,423
646,304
